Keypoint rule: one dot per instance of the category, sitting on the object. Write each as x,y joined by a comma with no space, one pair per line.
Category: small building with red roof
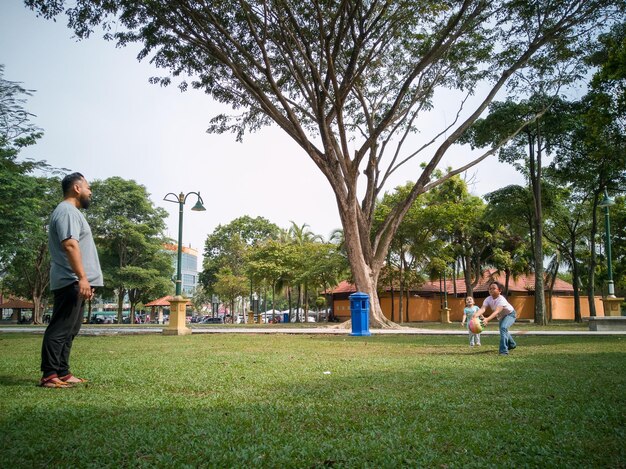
16,305
425,302
159,304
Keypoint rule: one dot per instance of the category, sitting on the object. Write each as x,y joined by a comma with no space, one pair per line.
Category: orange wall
563,307
341,308
427,309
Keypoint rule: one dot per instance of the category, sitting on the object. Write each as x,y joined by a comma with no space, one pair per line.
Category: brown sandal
71,379
53,381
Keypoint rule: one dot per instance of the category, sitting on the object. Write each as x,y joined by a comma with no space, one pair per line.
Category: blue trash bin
360,314
285,317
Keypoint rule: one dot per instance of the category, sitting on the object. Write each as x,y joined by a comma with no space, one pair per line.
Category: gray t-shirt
68,222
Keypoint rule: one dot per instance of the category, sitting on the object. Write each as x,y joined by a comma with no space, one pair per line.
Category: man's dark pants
67,317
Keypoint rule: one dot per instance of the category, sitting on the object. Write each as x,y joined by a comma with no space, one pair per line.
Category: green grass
518,326
231,400
455,326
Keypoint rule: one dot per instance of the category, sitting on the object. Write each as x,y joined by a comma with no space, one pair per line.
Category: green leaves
227,246
229,286
128,229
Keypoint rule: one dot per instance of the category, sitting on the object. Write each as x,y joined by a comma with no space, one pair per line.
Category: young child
468,313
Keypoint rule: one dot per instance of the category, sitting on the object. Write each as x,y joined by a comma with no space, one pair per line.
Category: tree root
373,325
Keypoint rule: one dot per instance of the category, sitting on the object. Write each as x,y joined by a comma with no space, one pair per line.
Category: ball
475,326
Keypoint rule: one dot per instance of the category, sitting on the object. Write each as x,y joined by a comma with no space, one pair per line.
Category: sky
101,117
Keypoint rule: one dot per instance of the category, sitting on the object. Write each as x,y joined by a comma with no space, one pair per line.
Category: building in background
188,267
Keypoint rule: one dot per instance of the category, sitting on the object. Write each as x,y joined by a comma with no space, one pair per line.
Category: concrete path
330,330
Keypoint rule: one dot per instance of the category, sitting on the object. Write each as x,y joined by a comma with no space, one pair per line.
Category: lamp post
180,199
178,323
606,203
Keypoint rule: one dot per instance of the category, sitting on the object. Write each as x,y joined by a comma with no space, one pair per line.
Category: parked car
213,321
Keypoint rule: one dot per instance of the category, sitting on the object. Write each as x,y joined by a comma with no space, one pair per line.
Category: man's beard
85,202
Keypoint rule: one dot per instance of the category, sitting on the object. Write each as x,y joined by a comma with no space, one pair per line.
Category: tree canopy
349,81
16,185
128,231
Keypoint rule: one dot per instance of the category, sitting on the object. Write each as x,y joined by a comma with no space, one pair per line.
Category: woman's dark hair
69,180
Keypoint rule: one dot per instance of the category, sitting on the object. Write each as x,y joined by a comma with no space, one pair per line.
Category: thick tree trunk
540,301
507,279
401,295
592,259
37,309
408,295
576,281
298,303
120,304
89,310
364,274
454,272
549,298
289,301
535,180
467,273
393,306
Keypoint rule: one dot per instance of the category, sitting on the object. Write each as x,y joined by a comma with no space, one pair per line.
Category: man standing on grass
74,272
505,313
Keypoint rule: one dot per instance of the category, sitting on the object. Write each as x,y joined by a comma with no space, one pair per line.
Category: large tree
592,154
618,240
230,287
511,207
226,247
26,201
28,270
565,228
531,146
271,263
128,230
17,199
350,80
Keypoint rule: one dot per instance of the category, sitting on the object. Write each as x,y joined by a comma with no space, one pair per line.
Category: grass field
231,400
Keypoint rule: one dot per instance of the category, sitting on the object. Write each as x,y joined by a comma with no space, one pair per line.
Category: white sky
101,117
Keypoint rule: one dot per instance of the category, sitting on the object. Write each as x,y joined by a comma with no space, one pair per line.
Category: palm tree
301,236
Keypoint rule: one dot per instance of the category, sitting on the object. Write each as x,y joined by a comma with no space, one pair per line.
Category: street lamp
606,203
180,199
178,322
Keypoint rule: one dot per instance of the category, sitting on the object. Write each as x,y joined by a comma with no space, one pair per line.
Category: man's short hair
69,180
498,284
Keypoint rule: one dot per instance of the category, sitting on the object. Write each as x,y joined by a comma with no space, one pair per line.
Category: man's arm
72,250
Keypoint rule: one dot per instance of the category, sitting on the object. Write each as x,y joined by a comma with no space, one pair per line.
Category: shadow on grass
10,380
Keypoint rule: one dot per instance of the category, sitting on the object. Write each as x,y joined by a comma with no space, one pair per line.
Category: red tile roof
17,304
344,287
523,283
165,301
